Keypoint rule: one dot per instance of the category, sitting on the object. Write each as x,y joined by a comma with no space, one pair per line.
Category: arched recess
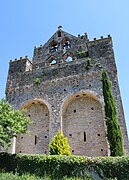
83,124
36,140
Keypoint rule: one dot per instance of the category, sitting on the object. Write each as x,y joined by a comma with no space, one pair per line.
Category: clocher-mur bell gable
61,89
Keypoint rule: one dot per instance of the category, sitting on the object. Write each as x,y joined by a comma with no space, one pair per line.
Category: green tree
113,129
12,122
59,145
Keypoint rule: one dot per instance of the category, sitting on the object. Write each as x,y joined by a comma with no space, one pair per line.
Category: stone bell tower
61,89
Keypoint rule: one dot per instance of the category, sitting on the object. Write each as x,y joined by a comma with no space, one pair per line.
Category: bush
61,167
59,145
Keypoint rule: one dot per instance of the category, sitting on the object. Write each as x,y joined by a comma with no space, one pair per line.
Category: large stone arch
36,140
83,123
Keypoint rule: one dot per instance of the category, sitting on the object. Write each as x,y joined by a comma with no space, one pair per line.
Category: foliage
89,63
113,129
82,54
37,81
59,145
66,167
16,176
44,73
12,122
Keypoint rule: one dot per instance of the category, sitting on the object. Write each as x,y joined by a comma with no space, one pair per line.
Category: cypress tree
113,129
59,145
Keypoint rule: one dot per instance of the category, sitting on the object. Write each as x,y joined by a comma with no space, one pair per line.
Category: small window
92,108
84,136
70,135
74,111
45,136
35,140
72,150
53,62
69,59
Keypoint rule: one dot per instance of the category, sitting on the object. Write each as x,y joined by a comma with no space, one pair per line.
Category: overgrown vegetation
37,81
82,54
113,129
44,73
12,122
89,63
60,167
59,145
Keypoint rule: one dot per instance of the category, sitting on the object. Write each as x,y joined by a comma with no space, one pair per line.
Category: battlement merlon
20,65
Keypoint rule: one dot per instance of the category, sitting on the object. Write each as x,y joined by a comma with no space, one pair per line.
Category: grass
16,176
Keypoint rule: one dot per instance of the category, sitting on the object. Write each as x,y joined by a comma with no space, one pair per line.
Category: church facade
61,89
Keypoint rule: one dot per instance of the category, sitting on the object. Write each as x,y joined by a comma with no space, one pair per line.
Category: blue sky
27,23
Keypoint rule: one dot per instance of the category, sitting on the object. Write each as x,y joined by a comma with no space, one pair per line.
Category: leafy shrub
66,167
59,145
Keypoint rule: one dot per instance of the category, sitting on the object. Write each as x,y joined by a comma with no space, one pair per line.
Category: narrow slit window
84,136
35,140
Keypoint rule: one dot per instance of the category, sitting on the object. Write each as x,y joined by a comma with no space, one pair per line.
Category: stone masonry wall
59,83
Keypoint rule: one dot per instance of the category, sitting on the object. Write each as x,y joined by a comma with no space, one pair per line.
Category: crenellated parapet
20,65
